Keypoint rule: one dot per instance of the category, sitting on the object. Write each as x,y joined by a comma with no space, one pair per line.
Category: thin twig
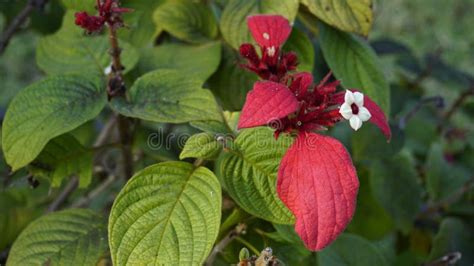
68,189
458,103
18,21
84,201
219,247
437,100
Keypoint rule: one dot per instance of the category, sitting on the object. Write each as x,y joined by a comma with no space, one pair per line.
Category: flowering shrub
184,132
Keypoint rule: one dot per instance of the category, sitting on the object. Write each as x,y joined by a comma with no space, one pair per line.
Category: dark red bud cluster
109,12
273,65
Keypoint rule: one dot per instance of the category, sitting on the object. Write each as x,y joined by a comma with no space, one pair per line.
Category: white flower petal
355,122
349,97
364,114
346,111
358,98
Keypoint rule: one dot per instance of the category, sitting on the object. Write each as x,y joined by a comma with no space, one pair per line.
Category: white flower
353,109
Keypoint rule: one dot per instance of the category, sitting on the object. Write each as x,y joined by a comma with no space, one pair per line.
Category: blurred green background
423,207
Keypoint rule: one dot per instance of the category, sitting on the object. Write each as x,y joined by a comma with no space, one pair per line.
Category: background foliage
415,203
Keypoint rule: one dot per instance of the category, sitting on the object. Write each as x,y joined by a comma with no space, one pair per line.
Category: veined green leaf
233,22
187,20
202,145
248,172
355,64
167,214
71,51
70,237
170,96
62,157
351,249
347,15
197,61
395,186
47,109
228,126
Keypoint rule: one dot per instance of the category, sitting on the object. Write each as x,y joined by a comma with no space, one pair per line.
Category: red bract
316,179
109,12
319,184
267,102
270,32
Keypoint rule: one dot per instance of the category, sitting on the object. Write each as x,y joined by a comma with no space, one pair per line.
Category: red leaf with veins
378,116
318,183
268,101
269,30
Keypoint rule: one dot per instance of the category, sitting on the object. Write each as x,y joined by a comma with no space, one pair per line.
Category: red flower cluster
109,12
316,179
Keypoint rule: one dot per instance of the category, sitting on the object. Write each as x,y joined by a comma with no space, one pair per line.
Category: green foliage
248,171
70,237
351,249
442,180
454,235
203,145
168,96
347,15
62,157
233,22
45,110
70,51
161,206
395,186
355,64
187,20
197,61
299,43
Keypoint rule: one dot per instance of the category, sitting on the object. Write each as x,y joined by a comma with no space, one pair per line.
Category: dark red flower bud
89,23
290,60
248,52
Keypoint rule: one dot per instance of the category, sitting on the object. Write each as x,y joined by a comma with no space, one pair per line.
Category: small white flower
266,36
353,109
108,69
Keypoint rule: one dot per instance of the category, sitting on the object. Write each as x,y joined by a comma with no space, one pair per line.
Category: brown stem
84,201
219,247
18,21
458,103
68,189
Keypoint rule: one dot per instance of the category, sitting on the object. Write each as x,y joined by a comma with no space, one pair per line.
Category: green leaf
198,61
80,5
228,126
203,145
303,47
62,157
47,109
141,29
167,214
231,83
369,143
454,236
352,250
347,15
187,20
233,22
248,172
394,183
370,220
168,96
71,51
70,237
442,179
355,64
